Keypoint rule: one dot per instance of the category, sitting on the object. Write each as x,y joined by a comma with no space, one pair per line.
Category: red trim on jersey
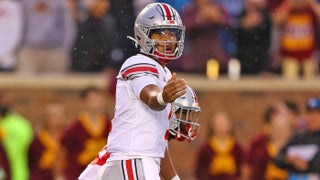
101,160
140,69
129,169
167,11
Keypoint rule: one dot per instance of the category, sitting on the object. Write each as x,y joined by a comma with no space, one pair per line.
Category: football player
145,87
183,125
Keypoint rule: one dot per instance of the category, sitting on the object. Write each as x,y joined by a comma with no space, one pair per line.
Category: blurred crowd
90,36
266,37
285,147
53,147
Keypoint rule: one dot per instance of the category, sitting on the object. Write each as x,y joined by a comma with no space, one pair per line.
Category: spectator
265,146
11,23
253,38
48,37
42,152
233,10
202,19
96,39
294,114
275,64
221,156
179,5
297,21
4,162
78,10
16,137
124,13
84,137
301,155
271,5
138,5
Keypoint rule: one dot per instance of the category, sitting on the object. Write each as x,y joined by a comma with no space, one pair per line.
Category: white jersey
138,131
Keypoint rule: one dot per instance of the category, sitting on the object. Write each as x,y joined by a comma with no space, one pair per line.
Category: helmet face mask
155,18
184,123
167,44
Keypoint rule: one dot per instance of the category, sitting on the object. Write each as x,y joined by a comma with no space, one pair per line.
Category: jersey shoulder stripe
138,70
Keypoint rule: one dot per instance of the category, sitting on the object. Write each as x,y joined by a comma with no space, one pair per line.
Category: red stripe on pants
129,169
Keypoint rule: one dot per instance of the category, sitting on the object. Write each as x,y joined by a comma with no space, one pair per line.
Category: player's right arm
172,90
143,75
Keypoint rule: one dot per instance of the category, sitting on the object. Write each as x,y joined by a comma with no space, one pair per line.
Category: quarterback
144,92
183,125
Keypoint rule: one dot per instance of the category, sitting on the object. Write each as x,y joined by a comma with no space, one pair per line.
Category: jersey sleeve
139,70
138,84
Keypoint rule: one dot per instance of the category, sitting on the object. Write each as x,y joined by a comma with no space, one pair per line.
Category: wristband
160,99
176,177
